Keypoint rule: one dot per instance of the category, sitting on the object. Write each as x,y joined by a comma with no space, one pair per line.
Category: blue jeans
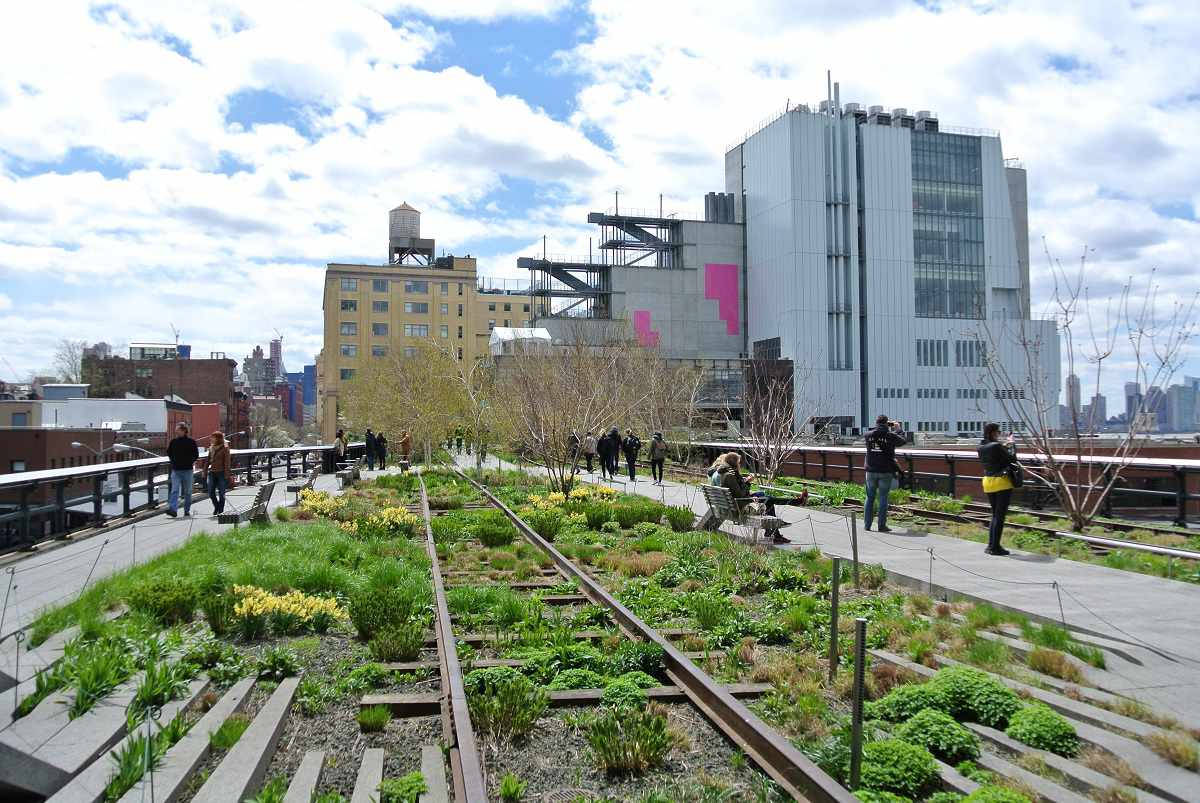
180,483
217,485
881,484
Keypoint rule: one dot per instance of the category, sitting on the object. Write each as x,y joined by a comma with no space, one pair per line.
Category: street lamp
125,447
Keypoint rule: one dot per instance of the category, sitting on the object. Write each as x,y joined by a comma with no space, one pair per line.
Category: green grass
1057,638
230,731
374,718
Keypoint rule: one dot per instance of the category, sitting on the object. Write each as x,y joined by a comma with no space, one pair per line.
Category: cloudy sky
197,163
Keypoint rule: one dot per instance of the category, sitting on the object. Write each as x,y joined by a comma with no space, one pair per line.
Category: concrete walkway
1153,620
59,575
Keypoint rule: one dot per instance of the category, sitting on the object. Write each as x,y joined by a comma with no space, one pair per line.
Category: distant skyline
198,165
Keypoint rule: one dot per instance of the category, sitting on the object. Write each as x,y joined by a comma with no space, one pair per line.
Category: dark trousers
217,485
371,458
589,457
999,502
631,459
382,459
656,469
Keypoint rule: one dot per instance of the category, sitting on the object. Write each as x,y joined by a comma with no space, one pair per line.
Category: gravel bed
556,756
258,697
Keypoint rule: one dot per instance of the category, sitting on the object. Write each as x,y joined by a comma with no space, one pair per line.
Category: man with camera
881,468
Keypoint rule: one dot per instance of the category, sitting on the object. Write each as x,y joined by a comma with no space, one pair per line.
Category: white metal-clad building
883,255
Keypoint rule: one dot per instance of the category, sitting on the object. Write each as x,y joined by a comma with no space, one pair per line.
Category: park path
1153,620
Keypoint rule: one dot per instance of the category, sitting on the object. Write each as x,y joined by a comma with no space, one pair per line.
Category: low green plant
503,703
973,694
227,735
639,679
1038,726
405,789
641,656
545,523
1054,663
374,718
1057,638
329,797
710,609
944,797
390,600
576,679
45,683
995,794
313,696
218,611
630,741
130,758
399,642
973,772
169,600
361,678
99,670
937,732
623,695
493,529
874,796
611,527
512,788
892,765
160,682
277,663
273,791
988,653
681,519
906,701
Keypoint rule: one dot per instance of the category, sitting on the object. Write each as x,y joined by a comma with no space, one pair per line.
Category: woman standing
997,457
658,456
381,450
219,471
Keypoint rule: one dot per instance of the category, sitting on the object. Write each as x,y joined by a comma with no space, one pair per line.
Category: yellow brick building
371,311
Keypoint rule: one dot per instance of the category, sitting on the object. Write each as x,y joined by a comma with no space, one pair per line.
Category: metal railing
129,487
846,463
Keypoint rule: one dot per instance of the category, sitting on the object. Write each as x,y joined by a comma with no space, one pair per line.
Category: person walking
658,457
573,447
614,452
589,449
631,446
371,447
881,469
381,450
184,453
999,458
458,438
339,447
405,446
220,471
603,448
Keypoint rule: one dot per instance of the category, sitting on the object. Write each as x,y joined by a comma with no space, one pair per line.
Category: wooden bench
723,507
350,472
255,511
307,485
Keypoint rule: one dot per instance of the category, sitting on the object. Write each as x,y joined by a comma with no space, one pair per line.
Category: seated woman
725,472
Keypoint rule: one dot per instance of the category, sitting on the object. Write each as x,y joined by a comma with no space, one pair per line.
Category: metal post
26,535
834,593
289,464
1181,496
854,548
125,493
60,507
860,658
270,467
952,475
824,467
804,465
98,499
150,486
912,474
850,467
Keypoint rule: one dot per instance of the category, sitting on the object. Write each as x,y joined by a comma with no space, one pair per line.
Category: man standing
371,447
589,449
184,453
631,446
881,468
658,456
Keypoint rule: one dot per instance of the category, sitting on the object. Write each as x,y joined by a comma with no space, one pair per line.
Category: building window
349,305
349,350
379,285
379,329
416,330
492,307
460,353
969,354
416,307
349,328
460,310
491,324
143,373
379,306
506,321
20,419
460,333
350,285
445,288
933,353
947,181
444,309
416,287
378,351
524,308
16,465
460,285
346,374
444,330
508,307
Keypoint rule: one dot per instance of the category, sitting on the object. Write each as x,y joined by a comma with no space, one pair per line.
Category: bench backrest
721,501
264,495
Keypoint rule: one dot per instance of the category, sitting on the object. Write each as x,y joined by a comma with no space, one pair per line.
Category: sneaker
998,551
867,526
779,539
171,513
885,529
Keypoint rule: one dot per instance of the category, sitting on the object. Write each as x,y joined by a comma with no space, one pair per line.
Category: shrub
273,791
639,679
1054,663
623,695
218,611
872,796
937,732
399,642
1175,747
493,529
576,679
545,523
995,794
610,527
633,510
374,718
160,682
973,694
170,600
504,704
681,519
895,766
512,788
944,797
904,702
710,609
1038,726
227,735
405,789
277,663
643,656
373,608
629,741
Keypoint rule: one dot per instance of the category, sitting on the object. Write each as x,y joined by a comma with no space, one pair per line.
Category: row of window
933,393
933,353
1011,393
346,374
944,393
507,307
891,393
970,426
410,307
971,393
410,286
933,426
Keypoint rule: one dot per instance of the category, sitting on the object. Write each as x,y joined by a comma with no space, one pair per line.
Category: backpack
634,444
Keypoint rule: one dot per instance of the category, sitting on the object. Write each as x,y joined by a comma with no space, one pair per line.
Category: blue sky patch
76,160
251,107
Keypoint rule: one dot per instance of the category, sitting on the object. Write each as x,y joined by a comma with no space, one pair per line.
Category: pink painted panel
641,327
721,285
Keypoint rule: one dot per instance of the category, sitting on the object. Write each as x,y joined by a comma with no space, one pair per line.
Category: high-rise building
1133,400
1155,403
1074,395
277,356
1098,412
1180,404
883,256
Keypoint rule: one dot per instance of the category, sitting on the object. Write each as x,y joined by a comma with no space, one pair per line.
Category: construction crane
176,333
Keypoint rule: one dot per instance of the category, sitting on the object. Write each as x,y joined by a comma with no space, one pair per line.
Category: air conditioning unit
873,110
900,112
824,107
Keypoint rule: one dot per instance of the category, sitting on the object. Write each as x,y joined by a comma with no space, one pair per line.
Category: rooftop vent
824,107
879,117
926,121
875,110
852,108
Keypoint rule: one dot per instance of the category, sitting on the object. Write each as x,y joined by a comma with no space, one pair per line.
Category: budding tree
771,431
1078,469
68,360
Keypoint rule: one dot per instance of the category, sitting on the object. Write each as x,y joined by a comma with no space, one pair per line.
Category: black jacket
607,445
632,445
183,453
881,450
370,443
996,457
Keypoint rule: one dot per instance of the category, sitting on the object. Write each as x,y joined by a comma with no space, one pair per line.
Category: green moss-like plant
937,732
576,679
896,766
623,695
504,704
973,694
405,789
906,701
374,718
995,794
1038,726
629,741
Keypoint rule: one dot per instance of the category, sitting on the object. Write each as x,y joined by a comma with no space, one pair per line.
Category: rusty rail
465,764
769,749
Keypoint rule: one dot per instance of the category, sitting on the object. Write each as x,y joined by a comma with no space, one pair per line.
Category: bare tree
672,393
269,428
1069,463
68,360
471,396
